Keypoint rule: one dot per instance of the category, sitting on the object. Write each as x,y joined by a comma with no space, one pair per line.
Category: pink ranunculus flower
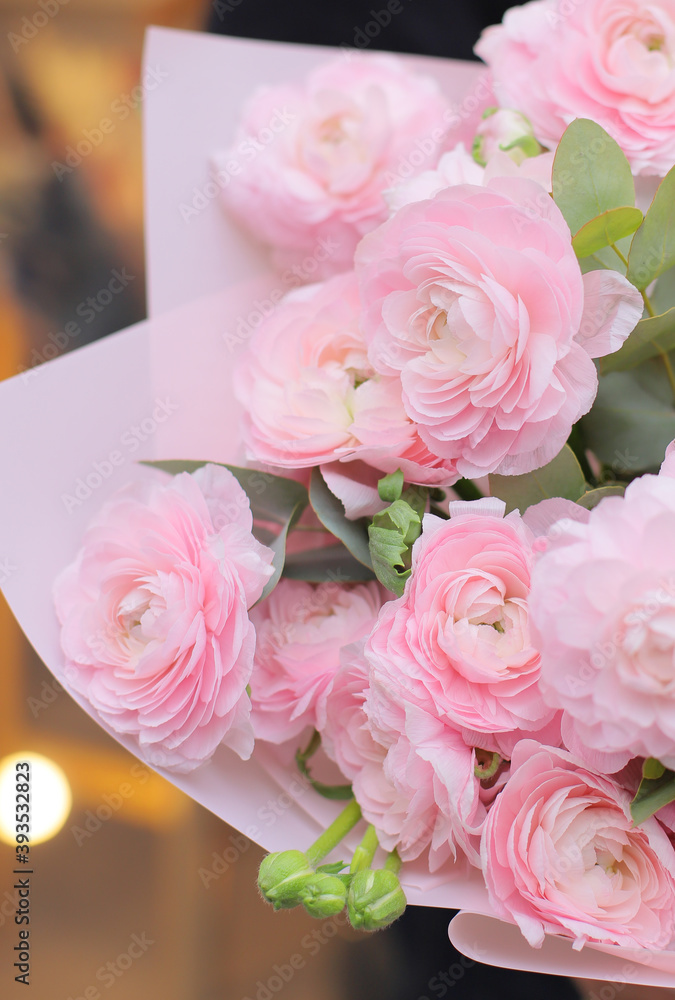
603,607
561,856
312,396
608,60
459,167
457,643
311,161
154,616
475,299
301,628
412,775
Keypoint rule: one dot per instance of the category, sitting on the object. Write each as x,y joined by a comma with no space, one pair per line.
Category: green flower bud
375,899
324,895
282,876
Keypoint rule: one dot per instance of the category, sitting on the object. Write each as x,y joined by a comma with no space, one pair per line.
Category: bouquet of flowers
421,562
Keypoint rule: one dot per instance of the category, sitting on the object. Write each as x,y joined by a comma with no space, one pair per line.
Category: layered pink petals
155,626
603,604
561,856
312,396
475,300
609,60
457,643
301,628
313,160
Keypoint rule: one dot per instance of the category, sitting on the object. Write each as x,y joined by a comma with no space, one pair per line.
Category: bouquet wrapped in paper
374,519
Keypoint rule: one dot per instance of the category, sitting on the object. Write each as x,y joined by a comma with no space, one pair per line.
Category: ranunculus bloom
476,300
603,604
412,774
608,60
561,856
457,643
154,615
301,628
311,395
459,167
314,159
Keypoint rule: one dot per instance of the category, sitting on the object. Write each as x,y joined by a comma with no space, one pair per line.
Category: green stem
393,863
331,837
621,257
365,852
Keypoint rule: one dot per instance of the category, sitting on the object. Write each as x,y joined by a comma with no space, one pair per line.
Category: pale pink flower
301,628
608,60
457,643
603,604
475,299
459,167
561,856
154,615
312,396
314,159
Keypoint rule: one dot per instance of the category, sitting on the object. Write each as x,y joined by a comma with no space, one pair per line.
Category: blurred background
142,892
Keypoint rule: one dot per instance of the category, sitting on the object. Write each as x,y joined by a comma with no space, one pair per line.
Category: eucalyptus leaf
652,795
328,563
592,498
562,477
590,174
653,248
652,336
331,513
629,426
605,229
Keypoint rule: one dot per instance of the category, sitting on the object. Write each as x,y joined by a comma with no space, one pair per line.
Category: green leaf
653,248
339,792
331,513
606,229
330,562
663,295
272,498
592,498
652,769
652,795
560,478
391,535
630,426
390,487
651,337
590,174
333,868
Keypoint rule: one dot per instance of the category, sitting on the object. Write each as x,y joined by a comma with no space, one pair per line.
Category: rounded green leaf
606,229
653,248
590,174
560,478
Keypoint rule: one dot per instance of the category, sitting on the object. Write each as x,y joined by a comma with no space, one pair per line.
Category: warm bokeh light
50,797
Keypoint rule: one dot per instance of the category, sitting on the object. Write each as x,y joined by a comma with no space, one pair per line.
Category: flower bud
375,899
324,895
508,130
282,876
